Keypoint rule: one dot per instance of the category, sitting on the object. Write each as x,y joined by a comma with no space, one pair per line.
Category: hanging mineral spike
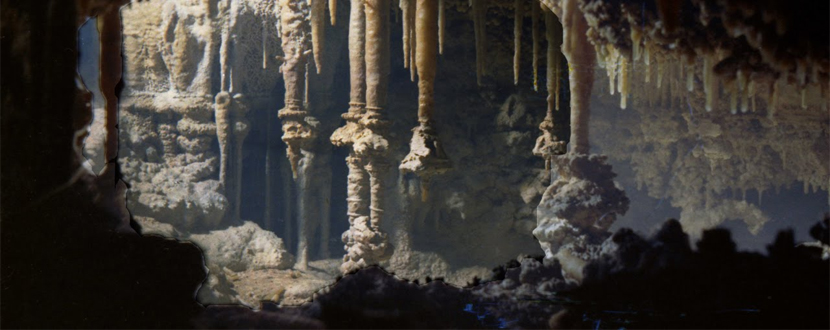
426,157
294,32
534,22
581,57
333,11
553,35
442,25
404,4
318,31
518,15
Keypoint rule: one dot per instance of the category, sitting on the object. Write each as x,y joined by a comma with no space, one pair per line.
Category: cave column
426,157
357,198
230,109
299,127
585,185
548,145
370,244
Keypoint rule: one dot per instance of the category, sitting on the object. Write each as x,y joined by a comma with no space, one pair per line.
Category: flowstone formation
182,130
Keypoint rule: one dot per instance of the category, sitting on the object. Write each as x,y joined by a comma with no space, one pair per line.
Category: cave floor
289,287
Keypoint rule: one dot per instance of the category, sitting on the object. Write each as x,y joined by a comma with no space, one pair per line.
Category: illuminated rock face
170,111
199,75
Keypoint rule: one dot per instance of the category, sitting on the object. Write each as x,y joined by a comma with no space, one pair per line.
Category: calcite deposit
236,112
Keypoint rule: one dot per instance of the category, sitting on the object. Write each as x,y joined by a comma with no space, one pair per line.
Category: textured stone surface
244,247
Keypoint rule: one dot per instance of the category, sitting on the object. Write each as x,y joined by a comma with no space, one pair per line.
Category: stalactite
581,57
647,62
426,157
404,4
479,13
709,80
318,31
518,16
442,25
553,34
264,46
622,84
534,19
333,11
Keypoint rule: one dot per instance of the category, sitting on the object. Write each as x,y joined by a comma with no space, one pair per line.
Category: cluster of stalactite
619,35
365,128
748,50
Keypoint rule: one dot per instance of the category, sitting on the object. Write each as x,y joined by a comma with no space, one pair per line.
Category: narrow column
299,127
370,244
426,157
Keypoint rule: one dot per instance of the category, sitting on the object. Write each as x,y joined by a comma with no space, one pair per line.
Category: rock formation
583,201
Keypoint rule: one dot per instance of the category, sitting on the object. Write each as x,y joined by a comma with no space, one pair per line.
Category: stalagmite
534,19
442,25
366,243
426,157
479,24
318,31
333,11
